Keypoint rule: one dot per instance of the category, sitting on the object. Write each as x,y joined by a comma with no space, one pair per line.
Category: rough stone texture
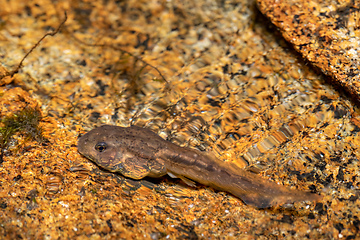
229,84
327,33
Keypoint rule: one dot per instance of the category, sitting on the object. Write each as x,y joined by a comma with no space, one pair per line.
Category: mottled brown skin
138,152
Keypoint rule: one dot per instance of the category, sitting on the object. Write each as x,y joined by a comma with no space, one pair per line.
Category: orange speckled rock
15,99
327,33
232,87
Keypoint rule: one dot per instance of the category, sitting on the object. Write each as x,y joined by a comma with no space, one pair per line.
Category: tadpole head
116,149
98,146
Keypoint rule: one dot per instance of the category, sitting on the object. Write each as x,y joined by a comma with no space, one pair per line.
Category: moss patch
25,121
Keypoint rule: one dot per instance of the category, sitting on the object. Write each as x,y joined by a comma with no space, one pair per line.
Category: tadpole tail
263,200
261,193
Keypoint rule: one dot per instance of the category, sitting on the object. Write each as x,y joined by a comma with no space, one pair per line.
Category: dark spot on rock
82,63
94,116
102,87
349,185
296,18
108,222
335,159
353,198
340,175
17,178
356,224
320,208
339,226
3,205
326,100
317,109
321,165
214,103
287,219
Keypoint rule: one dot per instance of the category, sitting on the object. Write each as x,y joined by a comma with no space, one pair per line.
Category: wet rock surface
228,83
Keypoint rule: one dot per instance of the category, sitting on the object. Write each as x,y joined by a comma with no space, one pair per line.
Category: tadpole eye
101,146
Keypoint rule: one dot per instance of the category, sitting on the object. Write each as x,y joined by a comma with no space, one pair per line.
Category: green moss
25,121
